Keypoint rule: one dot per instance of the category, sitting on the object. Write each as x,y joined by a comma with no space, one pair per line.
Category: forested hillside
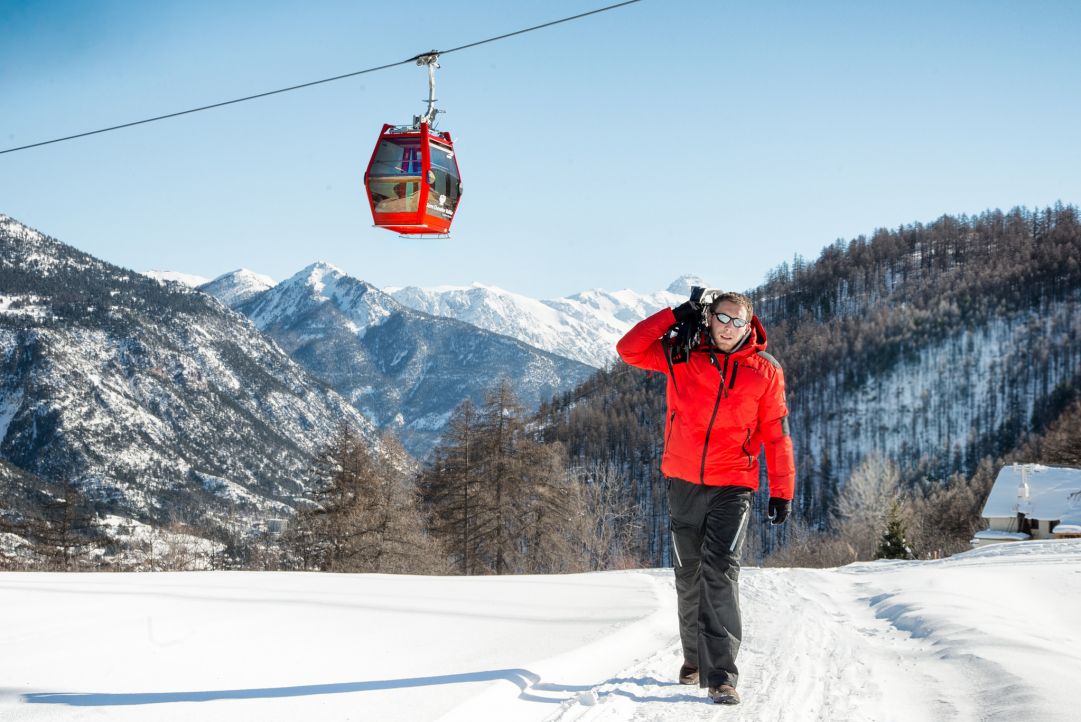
150,402
921,351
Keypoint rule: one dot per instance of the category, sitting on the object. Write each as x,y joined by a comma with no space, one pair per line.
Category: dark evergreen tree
496,496
894,544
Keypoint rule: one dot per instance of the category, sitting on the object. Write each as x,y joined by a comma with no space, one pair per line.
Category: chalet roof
1048,496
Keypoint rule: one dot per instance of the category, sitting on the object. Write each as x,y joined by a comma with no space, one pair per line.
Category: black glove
779,509
690,310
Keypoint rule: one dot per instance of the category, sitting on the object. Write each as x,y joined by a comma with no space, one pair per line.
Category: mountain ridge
403,369
583,327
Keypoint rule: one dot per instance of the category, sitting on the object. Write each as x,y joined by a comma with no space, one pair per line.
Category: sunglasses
725,318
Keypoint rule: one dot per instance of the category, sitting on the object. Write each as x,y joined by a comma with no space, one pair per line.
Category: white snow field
991,634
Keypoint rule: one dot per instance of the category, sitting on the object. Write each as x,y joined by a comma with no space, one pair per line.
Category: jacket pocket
671,427
747,450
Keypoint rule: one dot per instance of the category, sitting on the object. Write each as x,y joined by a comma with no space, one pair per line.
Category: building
1031,501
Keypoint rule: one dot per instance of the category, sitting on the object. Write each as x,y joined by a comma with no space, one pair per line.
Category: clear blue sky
617,151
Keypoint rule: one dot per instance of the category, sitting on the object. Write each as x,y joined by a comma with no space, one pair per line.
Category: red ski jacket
722,408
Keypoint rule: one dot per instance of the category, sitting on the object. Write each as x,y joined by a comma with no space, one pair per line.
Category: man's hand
779,510
690,310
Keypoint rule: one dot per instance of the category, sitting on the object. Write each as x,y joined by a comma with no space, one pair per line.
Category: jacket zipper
709,429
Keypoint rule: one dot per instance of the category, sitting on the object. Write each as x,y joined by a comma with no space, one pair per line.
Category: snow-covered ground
992,634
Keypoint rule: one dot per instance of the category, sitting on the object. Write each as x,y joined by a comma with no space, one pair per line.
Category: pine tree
893,544
497,497
450,490
63,529
363,516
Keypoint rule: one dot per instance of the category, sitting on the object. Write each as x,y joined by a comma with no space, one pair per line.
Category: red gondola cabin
412,180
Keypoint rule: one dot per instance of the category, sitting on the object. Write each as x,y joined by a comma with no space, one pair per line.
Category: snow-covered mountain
161,403
236,287
584,327
405,370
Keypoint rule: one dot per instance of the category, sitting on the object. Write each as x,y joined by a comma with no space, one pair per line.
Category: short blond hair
733,297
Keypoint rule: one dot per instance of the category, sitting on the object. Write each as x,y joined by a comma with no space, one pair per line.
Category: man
725,398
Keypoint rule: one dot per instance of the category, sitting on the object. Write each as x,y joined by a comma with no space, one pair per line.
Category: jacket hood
758,335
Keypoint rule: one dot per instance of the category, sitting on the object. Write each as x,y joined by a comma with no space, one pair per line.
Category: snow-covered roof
993,534
1067,529
1052,493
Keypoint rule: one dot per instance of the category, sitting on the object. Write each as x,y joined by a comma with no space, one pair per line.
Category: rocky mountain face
583,327
403,369
162,404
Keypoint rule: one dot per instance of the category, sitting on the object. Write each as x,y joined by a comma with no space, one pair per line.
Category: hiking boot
688,674
725,694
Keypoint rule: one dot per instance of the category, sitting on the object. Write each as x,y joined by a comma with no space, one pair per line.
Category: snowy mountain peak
316,276
249,275
325,281
317,284
682,285
236,287
322,268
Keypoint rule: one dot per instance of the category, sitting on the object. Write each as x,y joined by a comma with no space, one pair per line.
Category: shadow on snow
527,682
523,678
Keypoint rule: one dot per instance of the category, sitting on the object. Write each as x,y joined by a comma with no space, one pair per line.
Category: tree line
494,498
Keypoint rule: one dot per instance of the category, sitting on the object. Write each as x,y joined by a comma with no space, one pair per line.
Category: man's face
726,336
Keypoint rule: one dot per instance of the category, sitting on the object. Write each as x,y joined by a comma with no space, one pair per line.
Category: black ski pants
708,525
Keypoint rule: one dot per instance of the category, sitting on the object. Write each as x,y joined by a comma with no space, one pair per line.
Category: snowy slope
584,327
989,635
236,287
184,279
934,404
510,314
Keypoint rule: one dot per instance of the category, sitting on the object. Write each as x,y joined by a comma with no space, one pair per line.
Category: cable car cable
535,27
205,107
318,82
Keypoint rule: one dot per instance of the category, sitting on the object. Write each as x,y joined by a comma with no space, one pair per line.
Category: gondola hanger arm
431,59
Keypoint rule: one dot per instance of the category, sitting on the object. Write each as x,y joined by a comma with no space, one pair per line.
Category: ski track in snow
811,653
804,657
